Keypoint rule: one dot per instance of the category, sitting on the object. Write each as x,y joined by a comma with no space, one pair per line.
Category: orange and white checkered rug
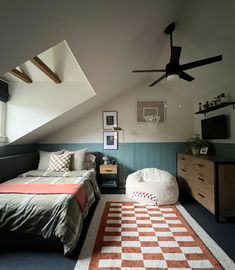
134,236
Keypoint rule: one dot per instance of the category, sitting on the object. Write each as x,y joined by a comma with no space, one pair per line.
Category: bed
38,211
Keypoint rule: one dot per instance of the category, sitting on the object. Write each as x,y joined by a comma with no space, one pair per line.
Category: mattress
49,215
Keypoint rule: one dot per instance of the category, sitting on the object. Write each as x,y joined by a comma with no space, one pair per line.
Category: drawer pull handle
201,195
183,170
108,170
201,179
182,158
200,165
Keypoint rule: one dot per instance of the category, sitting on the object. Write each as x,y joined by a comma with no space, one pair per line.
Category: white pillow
78,160
44,158
59,163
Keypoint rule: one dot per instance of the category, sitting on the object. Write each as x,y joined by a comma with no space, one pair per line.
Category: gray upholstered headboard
12,166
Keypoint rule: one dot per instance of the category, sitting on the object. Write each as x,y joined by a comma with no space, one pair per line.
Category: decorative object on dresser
109,120
109,175
195,144
210,180
110,140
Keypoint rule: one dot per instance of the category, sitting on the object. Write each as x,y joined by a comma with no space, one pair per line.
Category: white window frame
3,137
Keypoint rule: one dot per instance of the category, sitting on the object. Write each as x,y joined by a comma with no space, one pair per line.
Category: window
2,122
4,97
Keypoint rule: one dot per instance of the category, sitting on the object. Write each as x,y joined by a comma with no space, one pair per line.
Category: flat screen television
215,127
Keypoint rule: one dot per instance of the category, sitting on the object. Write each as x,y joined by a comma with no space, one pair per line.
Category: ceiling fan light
172,77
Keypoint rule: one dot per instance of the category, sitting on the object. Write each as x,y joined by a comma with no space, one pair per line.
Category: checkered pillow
59,163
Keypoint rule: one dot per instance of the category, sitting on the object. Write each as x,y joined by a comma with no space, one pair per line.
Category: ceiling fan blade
150,70
158,80
202,62
186,77
175,54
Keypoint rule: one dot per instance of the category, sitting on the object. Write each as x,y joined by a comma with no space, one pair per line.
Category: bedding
78,159
49,215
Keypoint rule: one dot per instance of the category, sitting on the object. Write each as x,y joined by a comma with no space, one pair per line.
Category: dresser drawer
184,160
203,170
184,164
108,169
205,198
202,182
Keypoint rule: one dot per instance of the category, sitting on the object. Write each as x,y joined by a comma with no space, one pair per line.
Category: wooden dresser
211,181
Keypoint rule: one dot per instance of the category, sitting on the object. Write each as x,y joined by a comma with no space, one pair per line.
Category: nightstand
109,176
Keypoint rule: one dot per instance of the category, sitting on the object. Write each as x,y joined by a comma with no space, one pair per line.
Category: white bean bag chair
152,186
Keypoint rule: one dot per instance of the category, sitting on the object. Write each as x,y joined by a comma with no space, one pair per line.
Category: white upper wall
89,129
33,105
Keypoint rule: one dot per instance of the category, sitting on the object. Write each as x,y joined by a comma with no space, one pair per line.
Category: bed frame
11,167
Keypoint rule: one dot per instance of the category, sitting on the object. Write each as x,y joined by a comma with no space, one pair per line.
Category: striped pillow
59,163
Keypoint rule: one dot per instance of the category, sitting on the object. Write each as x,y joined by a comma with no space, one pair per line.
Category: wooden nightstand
109,176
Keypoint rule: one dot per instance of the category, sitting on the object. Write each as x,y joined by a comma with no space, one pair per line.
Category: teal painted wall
224,149
10,150
135,156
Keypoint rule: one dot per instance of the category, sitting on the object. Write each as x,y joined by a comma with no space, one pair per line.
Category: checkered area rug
133,236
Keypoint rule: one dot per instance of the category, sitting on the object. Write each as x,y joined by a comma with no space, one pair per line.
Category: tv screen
214,127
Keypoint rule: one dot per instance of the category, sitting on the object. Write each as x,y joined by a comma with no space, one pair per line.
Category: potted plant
195,144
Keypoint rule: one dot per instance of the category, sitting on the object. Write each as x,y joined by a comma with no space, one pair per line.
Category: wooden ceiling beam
45,69
20,75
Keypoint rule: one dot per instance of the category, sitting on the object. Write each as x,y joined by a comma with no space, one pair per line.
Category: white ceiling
110,38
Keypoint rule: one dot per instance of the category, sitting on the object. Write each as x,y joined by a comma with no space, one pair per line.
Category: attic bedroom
117,135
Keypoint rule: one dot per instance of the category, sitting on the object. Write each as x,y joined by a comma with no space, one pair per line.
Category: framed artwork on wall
109,120
110,140
150,107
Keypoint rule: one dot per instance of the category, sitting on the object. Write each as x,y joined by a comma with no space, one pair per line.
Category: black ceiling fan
173,69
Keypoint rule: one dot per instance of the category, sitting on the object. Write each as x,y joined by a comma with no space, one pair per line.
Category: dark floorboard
34,260
222,233
38,255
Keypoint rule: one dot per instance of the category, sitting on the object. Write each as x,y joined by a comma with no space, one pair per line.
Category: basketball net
152,121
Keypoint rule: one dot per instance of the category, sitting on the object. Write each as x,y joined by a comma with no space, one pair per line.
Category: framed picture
111,140
150,107
109,120
204,150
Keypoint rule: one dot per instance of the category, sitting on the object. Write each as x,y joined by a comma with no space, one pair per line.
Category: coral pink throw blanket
76,190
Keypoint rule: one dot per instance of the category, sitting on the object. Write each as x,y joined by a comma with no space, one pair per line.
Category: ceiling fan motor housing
172,69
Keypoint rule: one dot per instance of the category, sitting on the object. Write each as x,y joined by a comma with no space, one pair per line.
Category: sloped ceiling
109,38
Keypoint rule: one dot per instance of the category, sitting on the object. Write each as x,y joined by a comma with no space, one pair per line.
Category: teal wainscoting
134,156
10,150
224,149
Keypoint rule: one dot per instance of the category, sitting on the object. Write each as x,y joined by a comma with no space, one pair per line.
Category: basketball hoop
152,121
